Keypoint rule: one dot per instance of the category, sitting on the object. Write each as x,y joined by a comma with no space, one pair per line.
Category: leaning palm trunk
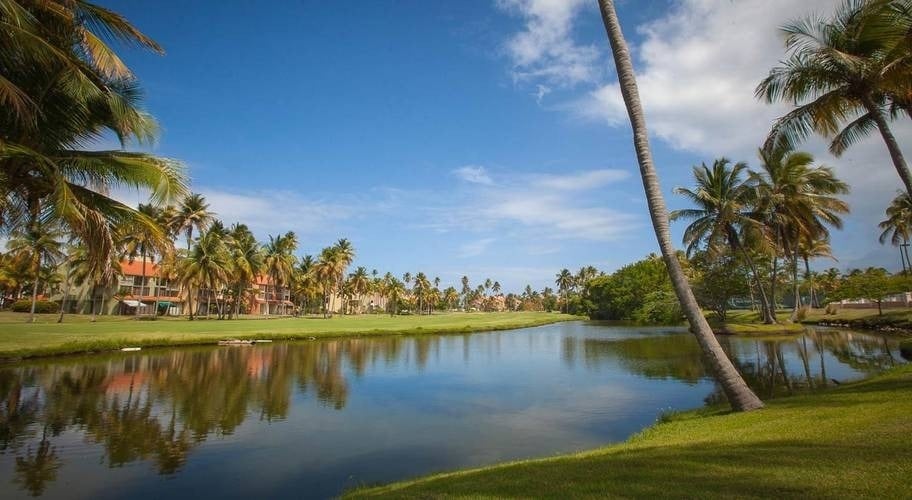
736,390
899,162
142,284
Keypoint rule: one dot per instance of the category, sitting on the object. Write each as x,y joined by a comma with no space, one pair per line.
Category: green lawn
851,442
76,334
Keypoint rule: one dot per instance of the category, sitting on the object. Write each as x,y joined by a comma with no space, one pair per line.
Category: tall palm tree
207,266
564,281
143,240
327,271
798,202
345,255
247,261
360,285
280,261
466,290
63,88
86,268
192,213
723,214
897,227
739,394
810,249
496,288
40,245
844,73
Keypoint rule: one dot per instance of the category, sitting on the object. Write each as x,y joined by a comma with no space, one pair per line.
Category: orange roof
134,268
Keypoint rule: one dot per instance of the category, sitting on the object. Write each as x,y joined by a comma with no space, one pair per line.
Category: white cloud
475,248
698,66
544,49
534,207
474,174
578,181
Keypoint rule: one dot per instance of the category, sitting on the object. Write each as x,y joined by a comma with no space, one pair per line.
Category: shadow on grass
788,468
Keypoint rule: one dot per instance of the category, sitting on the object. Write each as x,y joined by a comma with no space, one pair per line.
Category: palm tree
327,271
466,290
146,239
395,290
63,88
207,266
193,213
345,254
279,262
722,215
797,202
247,261
851,66
360,284
739,394
39,245
564,282
305,284
897,227
496,288
86,268
810,249
450,297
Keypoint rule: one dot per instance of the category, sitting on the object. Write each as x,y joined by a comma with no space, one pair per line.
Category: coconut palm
63,88
496,288
360,284
280,261
466,290
811,249
247,261
327,271
564,282
797,202
723,214
40,245
897,227
192,213
87,269
395,291
739,394
207,265
844,73
146,239
304,282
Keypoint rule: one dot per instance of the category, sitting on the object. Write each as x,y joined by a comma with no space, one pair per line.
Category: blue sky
478,137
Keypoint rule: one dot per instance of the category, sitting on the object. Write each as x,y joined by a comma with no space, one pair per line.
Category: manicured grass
867,319
743,322
20,339
850,442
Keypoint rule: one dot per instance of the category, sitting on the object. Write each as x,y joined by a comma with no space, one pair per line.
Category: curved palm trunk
766,311
190,300
899,162
739,394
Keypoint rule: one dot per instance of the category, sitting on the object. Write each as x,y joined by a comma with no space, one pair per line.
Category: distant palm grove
752,231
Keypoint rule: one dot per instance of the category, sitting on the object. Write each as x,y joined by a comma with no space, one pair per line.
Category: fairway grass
76,335
851,442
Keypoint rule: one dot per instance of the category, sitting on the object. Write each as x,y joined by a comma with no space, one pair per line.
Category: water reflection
157,407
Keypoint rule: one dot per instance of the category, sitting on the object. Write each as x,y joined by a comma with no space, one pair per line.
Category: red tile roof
134,268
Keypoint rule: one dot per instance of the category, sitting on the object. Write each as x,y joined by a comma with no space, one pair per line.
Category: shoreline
98,343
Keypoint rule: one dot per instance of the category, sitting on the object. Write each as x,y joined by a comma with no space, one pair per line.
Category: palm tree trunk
66,293
190,300
766,312
736,390
811,285
899,162
142,284
35,293
795,288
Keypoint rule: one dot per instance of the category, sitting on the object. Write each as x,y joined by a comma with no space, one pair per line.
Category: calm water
311,419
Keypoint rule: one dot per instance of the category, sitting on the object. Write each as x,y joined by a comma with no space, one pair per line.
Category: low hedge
41,306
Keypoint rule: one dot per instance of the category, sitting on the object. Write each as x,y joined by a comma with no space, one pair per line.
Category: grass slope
850,442
19,339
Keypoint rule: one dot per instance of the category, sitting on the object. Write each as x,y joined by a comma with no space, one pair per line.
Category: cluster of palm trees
568,283
782,212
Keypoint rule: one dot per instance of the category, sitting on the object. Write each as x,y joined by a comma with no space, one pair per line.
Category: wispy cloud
544,49
579,181
475,248
474,174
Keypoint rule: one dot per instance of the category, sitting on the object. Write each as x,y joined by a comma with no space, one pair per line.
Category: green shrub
41,306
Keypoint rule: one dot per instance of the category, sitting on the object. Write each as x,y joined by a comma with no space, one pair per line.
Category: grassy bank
849,442
76,335
749,323
899,320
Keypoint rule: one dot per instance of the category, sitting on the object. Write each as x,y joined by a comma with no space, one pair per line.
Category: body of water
310,419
